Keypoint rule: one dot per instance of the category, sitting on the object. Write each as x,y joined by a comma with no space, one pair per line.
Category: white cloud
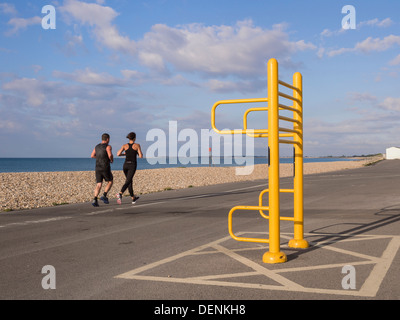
372,23
132,74
18,24
239,86
362,97
90,77
101,19
369,45
377,44
328,33
395,61
391,103
9,125
374,126
72,42
332,53
241,50
8,8
376,22
32,89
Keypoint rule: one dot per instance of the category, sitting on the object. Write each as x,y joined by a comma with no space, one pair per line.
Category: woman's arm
139,150
121,151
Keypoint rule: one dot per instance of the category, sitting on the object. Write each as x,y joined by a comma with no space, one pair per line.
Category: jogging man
103,155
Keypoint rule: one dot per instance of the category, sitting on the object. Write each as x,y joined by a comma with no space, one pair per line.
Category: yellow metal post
298,240
274,255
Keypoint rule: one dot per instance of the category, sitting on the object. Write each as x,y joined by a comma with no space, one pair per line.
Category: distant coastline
87,164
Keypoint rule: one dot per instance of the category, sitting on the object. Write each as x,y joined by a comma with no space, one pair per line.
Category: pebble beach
46,189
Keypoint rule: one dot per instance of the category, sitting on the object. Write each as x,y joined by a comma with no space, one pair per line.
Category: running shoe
119,198
95,203
104,199
135,199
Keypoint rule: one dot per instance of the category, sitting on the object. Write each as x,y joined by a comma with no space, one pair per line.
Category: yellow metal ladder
275,135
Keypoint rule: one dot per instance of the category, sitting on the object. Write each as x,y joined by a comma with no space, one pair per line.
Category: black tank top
131,154
102,159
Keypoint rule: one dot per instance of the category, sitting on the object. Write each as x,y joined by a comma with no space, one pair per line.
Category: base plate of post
276,257
298,243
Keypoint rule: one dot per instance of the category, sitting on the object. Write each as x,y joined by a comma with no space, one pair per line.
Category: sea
88,164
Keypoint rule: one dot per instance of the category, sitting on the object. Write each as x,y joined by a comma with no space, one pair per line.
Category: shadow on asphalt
389,215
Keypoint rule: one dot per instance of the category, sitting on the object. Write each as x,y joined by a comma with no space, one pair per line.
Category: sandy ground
45,189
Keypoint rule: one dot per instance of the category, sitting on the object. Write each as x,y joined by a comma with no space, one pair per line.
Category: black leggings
129,171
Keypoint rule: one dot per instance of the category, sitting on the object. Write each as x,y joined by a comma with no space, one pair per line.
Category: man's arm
93,155
110,155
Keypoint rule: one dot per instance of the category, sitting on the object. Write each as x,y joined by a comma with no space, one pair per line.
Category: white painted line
259,268
227,275
374,281
132,273
24,223
352,253
325,266
93,213
146,204
240,189
368,289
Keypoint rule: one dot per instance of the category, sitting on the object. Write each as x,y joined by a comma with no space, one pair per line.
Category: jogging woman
130,150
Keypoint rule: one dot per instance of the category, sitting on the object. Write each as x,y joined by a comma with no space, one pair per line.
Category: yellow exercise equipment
276,134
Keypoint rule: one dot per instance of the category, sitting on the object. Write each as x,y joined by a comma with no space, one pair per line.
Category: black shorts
104,174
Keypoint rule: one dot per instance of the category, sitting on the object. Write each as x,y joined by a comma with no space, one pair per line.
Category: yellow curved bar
244,239
256,133
260,203
255,100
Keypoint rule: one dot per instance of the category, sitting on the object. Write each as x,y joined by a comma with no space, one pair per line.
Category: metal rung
286,135
289,130
289,86
283,107
289,119
286,190
284,95
288,141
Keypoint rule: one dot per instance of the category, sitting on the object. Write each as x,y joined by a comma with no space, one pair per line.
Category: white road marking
24,223
259,268
374,281
369,288
93,213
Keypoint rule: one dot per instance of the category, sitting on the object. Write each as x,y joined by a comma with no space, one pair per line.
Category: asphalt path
174,245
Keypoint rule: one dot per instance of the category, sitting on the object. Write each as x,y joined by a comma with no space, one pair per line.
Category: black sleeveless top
131,154
102,159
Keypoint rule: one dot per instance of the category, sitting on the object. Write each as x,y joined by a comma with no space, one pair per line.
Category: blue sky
120,65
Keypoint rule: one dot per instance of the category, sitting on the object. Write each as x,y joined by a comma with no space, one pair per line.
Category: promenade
174,245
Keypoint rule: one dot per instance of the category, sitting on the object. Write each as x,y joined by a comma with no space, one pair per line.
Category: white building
393,153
